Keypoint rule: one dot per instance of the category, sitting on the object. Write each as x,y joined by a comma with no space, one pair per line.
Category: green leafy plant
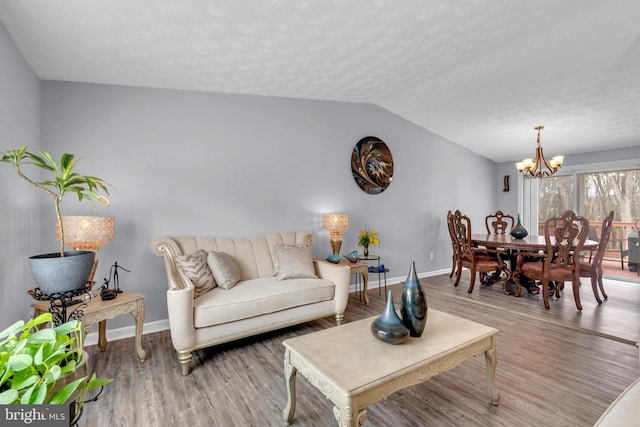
34,358
64,179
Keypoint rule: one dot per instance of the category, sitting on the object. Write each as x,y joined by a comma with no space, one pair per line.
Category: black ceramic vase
414,304
519,231
388,326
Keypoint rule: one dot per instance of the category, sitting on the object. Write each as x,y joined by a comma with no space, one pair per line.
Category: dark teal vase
388,326
414,304
519,231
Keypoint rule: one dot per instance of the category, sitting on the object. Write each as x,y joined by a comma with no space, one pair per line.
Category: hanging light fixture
539,167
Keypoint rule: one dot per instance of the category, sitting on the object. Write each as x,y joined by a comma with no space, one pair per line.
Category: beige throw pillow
196,268
293,262
224,269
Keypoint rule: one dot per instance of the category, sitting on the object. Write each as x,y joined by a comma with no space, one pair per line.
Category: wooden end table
362,269
98,311
374,369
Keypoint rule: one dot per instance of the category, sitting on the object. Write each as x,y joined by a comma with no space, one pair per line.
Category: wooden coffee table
354,370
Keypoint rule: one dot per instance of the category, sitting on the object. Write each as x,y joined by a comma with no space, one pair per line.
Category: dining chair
499,223
478,260
454,246
560,260
593,268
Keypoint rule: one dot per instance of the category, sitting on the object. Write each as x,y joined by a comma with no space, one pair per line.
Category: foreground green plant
64,179
34,357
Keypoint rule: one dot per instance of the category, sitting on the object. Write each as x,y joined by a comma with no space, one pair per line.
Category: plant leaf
18,362
8,397
65,392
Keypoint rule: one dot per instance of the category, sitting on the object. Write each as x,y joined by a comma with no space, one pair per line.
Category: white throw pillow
224,269
196,268
293,262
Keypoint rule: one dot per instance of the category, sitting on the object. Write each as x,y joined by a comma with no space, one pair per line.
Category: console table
98,311
362,269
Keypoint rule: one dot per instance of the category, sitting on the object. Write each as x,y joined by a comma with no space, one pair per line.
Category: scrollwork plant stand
64,306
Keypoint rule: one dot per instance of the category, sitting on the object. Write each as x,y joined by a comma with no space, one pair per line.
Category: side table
98,311
362,269
376,269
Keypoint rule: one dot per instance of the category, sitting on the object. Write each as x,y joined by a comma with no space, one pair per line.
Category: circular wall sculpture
372,165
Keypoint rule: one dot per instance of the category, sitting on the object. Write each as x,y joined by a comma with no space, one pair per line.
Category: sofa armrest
340,275
167,248
180,308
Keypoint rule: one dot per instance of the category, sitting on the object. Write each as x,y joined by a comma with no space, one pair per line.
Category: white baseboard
163,325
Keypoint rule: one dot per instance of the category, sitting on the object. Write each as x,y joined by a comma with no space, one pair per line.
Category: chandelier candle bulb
540,167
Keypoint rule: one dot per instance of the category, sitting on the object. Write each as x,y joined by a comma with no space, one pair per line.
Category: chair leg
453,266
458,275
594,285
602,287
473,280
576,294
545,293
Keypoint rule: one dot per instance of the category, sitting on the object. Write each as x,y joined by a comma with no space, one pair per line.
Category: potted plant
40,364
62,271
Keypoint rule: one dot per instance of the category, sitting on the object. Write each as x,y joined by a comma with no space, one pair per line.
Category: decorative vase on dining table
388,327
414,304
519,231
366,251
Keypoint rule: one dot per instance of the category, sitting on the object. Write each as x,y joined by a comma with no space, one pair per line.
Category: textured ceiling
481,73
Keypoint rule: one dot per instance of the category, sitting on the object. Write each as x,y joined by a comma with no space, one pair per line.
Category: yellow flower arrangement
368,237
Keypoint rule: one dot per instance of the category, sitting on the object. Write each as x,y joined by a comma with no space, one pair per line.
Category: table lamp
336,224
87,233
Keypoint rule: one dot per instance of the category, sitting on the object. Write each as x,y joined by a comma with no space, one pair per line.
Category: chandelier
539,167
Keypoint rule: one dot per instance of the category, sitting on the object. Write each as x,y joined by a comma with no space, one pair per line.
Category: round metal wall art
372,165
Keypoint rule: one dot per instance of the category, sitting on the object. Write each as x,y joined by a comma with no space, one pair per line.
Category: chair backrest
499,223
569,232
450,221
605,234
462,234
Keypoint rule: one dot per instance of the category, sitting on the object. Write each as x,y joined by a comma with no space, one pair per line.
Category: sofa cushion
224,269
196,268
255,297
293,262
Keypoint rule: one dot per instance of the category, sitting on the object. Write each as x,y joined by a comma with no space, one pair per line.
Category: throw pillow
224,269
293,262
196,268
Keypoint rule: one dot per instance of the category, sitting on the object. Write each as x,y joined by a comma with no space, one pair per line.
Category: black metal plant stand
64,306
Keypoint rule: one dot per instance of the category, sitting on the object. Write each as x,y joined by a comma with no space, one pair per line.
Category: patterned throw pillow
196,268
224,269
293,262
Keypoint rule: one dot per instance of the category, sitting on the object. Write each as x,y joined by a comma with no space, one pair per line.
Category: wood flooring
556,367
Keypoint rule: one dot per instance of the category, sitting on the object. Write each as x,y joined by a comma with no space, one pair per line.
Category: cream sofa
258,303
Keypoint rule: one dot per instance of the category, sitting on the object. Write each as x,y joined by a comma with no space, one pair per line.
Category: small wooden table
98,311
359,268
354,370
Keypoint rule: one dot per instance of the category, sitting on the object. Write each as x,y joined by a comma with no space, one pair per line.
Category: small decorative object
108,294
519,231
388,327
353,256
335,224
414,304
368,237
334,259
381,268
372,165
505,188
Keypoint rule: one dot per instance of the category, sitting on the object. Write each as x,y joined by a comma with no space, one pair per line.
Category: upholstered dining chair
499,223
593,268
478,260
454,246
564,237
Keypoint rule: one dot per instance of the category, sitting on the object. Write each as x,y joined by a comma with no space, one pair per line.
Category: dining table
511,246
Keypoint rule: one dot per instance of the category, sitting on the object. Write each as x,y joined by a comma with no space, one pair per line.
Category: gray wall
20,206
189,163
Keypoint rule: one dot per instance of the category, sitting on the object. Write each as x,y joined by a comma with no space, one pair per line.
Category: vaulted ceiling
481,73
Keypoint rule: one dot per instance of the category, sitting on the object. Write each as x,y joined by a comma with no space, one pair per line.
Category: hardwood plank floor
556,367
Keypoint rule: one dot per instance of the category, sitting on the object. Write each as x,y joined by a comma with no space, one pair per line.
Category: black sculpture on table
109,294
